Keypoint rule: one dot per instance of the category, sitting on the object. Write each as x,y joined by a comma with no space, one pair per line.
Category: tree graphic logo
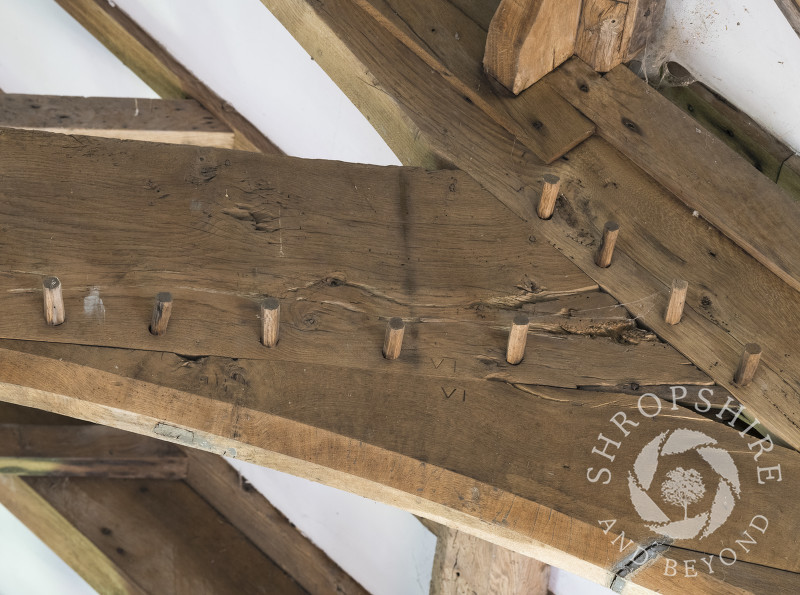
683,487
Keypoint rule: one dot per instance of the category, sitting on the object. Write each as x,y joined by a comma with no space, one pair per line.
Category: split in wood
517,339
748,365
270,321
606,251
547,202
393,341
54,312
677,300
161,311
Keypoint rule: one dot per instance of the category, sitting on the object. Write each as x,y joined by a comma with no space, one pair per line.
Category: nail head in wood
677,300
161,311
606,251
547,202
393,341
270,321
54,312
748,365
517,339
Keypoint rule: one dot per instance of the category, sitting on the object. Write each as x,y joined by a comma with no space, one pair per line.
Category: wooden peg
517,339
161,311
393,341
547,202
606,251
677,299
270,321
54,312
748,365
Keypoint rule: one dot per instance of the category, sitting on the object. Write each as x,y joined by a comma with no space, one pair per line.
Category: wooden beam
142,536
466,564
713,179
247,510
613,32
86,451
789,177
529,38
181,121
733,127
158,68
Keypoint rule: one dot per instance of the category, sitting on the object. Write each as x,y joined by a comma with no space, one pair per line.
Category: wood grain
789,177
272,412
465,564
158,68
86,451
529,38
159,120
539,118
705,174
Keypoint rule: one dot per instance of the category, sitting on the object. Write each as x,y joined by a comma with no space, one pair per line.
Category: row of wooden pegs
393,341
751,355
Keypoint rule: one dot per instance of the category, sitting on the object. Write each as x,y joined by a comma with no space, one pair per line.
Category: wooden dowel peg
393,341
677,300
161,311
517,339
270,321
748,365
606,251
547,202
54,312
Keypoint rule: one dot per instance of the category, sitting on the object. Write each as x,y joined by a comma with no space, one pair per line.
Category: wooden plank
540,118
158,68
86,451
789,177
71,545
466,564
307,416
247,510
169,121
791,10
705,174
164,535
612,32
529,38
459,297
488,153
734,128
480,11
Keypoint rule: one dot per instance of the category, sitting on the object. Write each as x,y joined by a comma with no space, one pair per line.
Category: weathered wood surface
458,297
466,564
169,121
158,68
789,178
247,510
161,534
612,32
488,153
529,38
314,423
705,174
733,127
540,118
86,451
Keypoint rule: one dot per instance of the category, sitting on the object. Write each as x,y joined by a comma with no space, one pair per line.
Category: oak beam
86,451
178,121
158,68
464,563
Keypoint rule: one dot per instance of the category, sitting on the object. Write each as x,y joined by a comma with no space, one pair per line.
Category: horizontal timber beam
158,68
179,121
86,451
